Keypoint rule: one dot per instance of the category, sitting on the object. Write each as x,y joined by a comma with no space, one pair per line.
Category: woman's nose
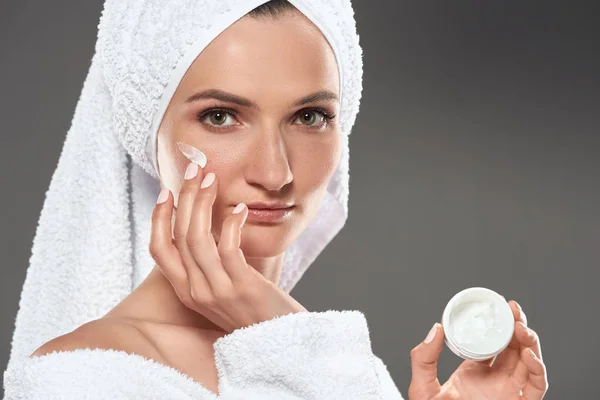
268,165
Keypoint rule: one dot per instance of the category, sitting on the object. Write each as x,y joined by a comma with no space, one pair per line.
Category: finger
518,312
527,339
200,240
537,384
161,246
508,359
519,316
229,250
531,338
187,195
424,357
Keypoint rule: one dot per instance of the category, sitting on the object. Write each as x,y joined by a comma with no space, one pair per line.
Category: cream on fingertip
193,154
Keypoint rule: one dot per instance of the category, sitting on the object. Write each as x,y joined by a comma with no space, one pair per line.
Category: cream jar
478,324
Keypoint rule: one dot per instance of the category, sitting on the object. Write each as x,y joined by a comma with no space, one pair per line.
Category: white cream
193,154
475,325
478,323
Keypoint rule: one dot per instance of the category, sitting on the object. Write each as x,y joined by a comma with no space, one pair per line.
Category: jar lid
478,323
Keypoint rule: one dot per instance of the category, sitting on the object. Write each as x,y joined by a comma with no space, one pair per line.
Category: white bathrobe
310,356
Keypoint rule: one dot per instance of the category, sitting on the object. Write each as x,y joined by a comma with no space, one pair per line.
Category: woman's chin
265,241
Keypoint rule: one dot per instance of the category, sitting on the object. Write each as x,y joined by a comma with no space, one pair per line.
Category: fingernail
521,313
191,171
208,180
532,354
162,196
518,306
193,154
238,208
431,334
530,332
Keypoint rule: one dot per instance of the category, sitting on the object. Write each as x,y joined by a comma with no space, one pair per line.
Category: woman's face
261,96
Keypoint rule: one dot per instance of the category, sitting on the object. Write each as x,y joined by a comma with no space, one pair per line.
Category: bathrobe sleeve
98,374
303,356
316,355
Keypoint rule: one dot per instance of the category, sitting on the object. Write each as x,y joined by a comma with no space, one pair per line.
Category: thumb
424,383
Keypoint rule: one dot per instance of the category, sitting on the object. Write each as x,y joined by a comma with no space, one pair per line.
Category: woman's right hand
209,278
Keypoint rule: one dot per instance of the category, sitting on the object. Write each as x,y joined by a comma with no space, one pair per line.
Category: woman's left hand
518,373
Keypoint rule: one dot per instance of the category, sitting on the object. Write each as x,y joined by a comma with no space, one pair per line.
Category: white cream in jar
478,324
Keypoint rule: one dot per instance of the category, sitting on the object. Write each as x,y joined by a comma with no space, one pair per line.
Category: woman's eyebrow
222,96
322,95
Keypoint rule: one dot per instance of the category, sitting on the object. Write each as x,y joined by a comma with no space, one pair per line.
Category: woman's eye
311,118
218,118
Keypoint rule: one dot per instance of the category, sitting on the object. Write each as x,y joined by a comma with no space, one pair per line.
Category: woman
262,112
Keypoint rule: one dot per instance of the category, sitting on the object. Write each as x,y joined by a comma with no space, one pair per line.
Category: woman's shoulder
101,359
187,351
105,334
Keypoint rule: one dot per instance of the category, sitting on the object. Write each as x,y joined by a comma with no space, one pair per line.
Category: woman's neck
156,301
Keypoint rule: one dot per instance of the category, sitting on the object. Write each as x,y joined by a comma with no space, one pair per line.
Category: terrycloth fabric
91,245
308,356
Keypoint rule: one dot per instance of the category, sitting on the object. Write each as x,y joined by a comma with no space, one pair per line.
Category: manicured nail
162,196
530,332
238,208
208,180
518,305
191,171
193,154
521,313
431,334
524,317
533,354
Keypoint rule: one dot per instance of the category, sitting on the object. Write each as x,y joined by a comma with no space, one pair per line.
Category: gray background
475,162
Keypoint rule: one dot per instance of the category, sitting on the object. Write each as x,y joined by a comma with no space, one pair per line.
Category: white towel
302,356
91,245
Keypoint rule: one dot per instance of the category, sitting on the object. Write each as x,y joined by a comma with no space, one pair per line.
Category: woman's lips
268,214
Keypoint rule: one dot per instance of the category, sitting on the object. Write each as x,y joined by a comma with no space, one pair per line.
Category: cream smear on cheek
193,154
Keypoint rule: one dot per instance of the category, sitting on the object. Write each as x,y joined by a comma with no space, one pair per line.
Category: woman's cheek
318,165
